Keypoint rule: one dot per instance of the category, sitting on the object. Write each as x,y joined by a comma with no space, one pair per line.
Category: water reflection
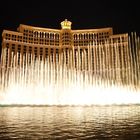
70,122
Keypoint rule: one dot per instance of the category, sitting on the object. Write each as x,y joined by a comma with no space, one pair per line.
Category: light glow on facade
69,67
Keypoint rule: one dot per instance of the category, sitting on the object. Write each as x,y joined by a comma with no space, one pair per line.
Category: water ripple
70,123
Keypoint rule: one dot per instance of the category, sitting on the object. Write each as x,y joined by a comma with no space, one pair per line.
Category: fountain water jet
46,83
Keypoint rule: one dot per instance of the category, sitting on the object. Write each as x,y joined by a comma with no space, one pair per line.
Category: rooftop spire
66,24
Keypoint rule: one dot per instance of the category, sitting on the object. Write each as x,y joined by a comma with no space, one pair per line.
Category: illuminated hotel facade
95,50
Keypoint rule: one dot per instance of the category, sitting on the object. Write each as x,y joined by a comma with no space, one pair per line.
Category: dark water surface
70,122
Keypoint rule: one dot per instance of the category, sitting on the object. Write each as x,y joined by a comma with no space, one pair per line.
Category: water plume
43,82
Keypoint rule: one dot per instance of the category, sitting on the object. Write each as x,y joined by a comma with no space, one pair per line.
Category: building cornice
36,28
11,32
93,30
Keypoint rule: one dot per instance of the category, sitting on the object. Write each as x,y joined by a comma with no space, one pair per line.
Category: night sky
123,16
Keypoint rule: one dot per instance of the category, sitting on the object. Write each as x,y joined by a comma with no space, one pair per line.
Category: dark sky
123,16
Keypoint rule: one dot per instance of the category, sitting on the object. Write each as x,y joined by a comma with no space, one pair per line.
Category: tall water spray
73,82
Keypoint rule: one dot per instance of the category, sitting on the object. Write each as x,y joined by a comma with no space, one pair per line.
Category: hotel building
95,50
